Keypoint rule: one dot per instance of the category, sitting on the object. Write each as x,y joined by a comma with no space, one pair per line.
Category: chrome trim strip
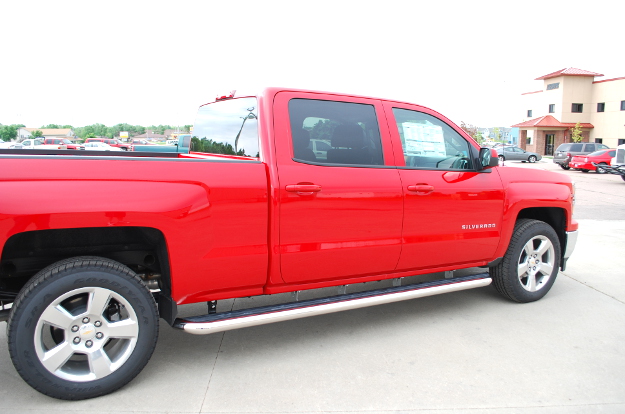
571,241
204,328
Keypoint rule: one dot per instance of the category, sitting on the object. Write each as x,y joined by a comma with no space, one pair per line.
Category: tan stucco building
569,96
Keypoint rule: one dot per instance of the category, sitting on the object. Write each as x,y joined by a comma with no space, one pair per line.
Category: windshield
227,127
66,141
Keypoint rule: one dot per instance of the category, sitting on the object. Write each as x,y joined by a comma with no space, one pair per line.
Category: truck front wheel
82,327
530,265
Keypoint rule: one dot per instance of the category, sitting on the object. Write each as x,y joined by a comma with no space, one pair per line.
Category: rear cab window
228,127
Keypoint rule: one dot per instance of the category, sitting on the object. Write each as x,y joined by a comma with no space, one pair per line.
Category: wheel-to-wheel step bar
225,321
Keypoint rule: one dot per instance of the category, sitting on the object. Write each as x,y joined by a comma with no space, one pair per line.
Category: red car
584,162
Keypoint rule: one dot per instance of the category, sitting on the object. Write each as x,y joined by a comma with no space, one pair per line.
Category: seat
301,145
348,146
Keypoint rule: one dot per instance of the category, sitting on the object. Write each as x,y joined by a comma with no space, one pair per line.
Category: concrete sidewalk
464,352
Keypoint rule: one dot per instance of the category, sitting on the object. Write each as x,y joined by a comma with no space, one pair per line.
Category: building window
528,140
622,105
553,86
552,108
601,107
621,141
529,113
598,140
577,107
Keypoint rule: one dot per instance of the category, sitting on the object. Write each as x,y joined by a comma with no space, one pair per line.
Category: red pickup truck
101,245
63,143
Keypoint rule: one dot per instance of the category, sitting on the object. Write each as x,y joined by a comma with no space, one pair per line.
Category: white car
10,145
100,146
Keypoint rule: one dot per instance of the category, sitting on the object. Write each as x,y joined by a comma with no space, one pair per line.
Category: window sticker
423,140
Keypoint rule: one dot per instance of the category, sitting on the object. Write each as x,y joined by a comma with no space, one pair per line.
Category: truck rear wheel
530,265
82,327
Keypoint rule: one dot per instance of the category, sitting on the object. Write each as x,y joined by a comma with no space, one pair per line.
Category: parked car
584,163
63,143
37,143
112,142
320,148
516,154
10,145
141,142
566,151
100,146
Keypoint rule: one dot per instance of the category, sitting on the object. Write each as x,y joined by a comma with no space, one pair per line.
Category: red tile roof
608,80
549,121
529,93
569,72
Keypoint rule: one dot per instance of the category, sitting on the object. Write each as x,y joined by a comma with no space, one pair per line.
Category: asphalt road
465,352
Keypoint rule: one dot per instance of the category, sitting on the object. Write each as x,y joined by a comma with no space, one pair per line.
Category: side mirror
488,158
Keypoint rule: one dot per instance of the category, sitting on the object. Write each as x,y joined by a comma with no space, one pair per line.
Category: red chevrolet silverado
283,191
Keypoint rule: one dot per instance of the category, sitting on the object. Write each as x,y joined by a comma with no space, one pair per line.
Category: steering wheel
460,164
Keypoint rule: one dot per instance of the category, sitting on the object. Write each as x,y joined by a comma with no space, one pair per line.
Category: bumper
571,241
581,166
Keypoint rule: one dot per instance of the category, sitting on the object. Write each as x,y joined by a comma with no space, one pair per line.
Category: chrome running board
225,321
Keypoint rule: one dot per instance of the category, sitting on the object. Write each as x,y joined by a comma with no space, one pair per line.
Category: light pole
245,118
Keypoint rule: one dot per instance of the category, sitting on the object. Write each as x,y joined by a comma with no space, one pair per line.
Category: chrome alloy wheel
536,263
86,334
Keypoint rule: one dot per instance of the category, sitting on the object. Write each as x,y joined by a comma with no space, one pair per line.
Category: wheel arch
554,216
143,249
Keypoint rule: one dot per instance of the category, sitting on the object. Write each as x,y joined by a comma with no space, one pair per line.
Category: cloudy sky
155,62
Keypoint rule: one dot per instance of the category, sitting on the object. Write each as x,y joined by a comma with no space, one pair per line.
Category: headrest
348,136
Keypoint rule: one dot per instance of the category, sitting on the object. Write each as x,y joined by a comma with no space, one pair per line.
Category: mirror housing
488,158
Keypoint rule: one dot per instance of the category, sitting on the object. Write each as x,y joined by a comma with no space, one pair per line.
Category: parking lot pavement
464,352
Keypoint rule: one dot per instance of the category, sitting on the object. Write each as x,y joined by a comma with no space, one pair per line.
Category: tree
576,135
56,126
90,135
36,134
497,134
8,132
473,131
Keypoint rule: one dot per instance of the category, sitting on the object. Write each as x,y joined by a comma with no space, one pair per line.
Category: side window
330,132
590,147
576,148
430,143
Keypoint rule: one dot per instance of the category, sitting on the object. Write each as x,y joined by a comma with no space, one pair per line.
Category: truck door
452,212
340,209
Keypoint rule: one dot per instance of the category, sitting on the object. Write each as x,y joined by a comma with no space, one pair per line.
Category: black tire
99,302
600,170
501,158
542,271
124,148
623,177
565,167
583,170
532,158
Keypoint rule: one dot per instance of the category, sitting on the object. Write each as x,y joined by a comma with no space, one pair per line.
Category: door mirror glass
488,158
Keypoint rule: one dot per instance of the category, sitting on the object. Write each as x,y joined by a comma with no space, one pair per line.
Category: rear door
453,213
340,208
